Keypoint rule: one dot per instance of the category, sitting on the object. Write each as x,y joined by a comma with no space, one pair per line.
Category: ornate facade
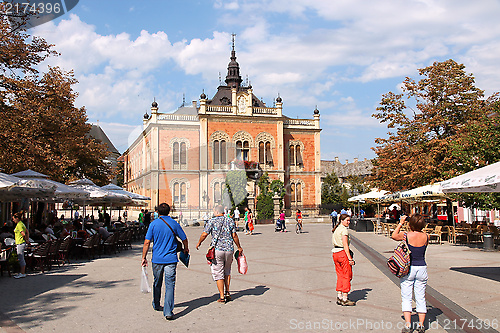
183,157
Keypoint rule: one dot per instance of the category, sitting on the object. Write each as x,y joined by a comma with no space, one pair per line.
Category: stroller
280,225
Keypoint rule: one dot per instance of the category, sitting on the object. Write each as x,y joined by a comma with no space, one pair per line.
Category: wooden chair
4,259
110,242
454,236
53,254
436,235
39,256
64,250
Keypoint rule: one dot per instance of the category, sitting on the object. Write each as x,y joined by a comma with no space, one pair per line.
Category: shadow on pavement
430,317
202,301
492,273
358,295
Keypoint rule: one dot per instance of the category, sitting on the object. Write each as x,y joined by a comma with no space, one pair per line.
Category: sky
340,56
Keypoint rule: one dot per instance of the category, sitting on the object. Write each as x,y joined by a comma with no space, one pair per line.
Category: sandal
221,300
228,297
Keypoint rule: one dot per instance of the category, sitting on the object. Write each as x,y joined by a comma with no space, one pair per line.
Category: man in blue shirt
162,232
334,215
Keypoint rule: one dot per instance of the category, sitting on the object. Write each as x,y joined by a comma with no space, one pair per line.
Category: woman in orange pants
342,257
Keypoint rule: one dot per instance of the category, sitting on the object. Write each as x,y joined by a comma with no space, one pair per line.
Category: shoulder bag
399,262
179,243
211,250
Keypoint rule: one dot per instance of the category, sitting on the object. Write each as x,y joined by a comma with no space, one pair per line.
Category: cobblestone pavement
289,287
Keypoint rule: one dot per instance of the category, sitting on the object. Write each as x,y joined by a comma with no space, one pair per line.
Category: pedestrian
125,215
245,218
416,280
343,211
334,215
282,220
343,259
141,217
162,232
236,217
147,218
362,213
250,221
223,232
22,237
298,218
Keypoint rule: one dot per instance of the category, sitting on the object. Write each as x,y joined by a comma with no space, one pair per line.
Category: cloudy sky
338,55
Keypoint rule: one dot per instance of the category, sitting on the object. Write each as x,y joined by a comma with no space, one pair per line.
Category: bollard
488,241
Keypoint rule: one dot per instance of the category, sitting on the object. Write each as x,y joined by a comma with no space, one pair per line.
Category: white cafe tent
485,179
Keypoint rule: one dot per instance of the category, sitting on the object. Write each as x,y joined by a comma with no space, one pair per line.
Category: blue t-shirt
164,245
334,214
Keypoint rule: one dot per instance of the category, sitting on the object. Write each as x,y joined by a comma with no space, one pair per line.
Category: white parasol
485,179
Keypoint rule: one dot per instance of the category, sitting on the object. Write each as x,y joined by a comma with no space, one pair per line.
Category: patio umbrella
427,192
485,179
14,189
62,192
118,189
97,195
374,196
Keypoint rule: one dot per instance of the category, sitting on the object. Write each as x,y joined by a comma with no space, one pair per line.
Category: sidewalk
290,286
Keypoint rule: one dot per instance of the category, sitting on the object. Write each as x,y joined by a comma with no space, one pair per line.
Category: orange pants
344,271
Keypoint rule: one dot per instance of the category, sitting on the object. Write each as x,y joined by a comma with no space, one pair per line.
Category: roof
186,110
356,168
97,133
224,94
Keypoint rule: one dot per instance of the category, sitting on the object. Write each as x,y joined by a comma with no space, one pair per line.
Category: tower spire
233,77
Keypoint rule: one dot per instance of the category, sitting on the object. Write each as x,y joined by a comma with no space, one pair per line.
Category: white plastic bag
145,288
242,264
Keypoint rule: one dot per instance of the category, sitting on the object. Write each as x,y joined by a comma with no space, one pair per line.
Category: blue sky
340,56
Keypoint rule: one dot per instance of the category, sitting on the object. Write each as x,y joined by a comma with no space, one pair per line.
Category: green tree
236,182
278,187
265,205
331,189
40,128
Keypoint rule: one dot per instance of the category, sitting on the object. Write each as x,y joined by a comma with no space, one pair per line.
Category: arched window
183,153
176,153
295,155
179,194
265,155
242,150
219,153
298,192
292,193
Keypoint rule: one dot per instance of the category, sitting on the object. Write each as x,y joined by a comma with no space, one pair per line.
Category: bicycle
298,227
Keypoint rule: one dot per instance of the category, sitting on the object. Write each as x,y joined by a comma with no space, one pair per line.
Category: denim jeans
414,282
169,270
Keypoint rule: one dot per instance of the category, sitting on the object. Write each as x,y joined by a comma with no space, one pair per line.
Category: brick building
183,157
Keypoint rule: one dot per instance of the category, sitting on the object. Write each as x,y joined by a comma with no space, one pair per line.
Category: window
219,153
179,194
176,153
242,150
219,188
265,156
296,193
295,155
183,153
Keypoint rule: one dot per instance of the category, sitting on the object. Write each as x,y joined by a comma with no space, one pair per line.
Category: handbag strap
168,226
405,240
220,231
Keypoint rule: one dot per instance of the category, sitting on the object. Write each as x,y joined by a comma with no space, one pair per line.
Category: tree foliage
331,190
236,182
438,129
265,204
40,128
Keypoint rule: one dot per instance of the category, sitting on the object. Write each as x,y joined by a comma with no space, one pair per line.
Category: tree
418,150
277,187
40,128
265,204
236,182
331,189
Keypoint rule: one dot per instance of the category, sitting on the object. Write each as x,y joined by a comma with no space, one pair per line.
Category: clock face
241,104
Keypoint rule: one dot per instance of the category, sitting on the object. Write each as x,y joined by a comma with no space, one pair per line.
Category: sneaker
420,329
19,276
348,302
406,330
169,317
339,301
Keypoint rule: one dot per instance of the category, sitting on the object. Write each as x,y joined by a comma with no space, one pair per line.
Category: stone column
276,202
